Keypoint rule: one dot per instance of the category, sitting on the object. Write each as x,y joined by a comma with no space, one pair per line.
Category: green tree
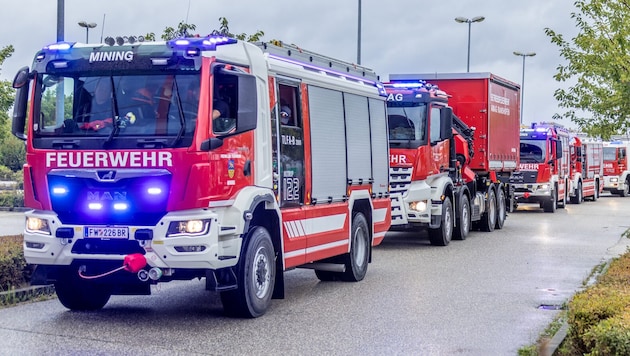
13,153
598,65
186,30
6,94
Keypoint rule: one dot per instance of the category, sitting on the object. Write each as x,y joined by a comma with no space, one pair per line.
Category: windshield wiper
182,119
115,115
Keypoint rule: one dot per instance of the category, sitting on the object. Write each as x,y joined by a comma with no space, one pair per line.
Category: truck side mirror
446,123
21,83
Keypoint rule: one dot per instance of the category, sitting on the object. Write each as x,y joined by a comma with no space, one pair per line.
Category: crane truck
453,145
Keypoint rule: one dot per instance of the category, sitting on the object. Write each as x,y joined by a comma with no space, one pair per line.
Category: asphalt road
482,296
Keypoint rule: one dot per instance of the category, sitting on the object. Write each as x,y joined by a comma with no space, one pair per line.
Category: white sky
397,36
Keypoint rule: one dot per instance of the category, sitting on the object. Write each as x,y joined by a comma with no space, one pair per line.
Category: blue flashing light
209,43
59,46
60,190
154,191
121,206
95,206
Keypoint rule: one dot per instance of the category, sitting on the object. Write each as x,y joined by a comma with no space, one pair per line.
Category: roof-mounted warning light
193,46
58,47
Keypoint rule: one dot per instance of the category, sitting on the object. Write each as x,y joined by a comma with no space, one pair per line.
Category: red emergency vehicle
617,167
212,182
453,144
587,169
544,174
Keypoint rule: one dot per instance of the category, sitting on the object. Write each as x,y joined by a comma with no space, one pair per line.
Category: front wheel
551,205
442,235
577,199
626,189
356,261
256,277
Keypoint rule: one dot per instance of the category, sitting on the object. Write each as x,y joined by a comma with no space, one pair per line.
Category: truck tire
551,205
577,198
256,276
626,189
356,261
501,209
596,194
442,235
81,295
563,203
489,218
462,220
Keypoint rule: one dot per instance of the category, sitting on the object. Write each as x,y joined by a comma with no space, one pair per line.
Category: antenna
102,28
187,12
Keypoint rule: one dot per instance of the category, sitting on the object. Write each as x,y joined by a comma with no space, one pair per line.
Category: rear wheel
577,198
489,218
443,234
462,220
256,277
356,261
596,194
501,209
78,294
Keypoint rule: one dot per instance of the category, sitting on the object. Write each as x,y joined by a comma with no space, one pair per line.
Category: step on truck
150,162
617,167
453,145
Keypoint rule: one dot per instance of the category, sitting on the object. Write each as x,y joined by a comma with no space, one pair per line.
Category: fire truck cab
202,157
543,176
616,167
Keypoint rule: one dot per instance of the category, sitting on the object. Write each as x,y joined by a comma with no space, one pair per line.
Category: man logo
106,175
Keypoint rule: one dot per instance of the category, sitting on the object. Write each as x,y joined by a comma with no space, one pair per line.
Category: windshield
610,153
407,121
110,107
533,151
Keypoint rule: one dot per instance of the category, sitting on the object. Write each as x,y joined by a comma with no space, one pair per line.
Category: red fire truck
544,174
453,144
616,167
587,169
208,181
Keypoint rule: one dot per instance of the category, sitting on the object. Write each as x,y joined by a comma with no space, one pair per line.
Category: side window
288,105
224,103
622,153
434,127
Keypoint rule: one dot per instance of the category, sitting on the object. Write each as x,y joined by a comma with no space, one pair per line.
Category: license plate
101,232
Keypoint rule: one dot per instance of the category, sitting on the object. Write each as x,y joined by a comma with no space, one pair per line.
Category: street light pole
469,22
528,54
359,36
87,26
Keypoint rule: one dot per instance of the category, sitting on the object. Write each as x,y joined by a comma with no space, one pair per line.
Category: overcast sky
397,36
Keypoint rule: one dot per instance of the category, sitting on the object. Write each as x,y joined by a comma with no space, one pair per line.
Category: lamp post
469,22
528,54
87,26
359,35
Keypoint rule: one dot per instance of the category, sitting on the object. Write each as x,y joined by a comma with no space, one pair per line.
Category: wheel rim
448,223
501,202
261,277
465,217
359,250
492,211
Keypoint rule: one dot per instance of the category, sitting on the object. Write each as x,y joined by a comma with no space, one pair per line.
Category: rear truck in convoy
587,169
208,183
616,167
453,145
544,174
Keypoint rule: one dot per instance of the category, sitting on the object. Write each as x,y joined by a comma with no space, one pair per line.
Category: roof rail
314,60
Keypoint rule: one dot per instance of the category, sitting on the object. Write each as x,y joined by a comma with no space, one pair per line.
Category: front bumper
211,250
532,193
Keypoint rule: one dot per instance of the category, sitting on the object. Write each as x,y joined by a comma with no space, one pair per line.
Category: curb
23,294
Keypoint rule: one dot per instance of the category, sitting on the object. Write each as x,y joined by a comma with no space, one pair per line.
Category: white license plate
102,232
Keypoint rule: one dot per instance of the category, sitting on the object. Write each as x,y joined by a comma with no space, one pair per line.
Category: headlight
614,180
543,187
418,206
188,227
37,225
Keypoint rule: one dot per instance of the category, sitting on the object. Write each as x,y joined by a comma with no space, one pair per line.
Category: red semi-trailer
449,179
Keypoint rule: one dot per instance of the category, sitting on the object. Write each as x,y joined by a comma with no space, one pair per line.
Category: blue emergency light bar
194,45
